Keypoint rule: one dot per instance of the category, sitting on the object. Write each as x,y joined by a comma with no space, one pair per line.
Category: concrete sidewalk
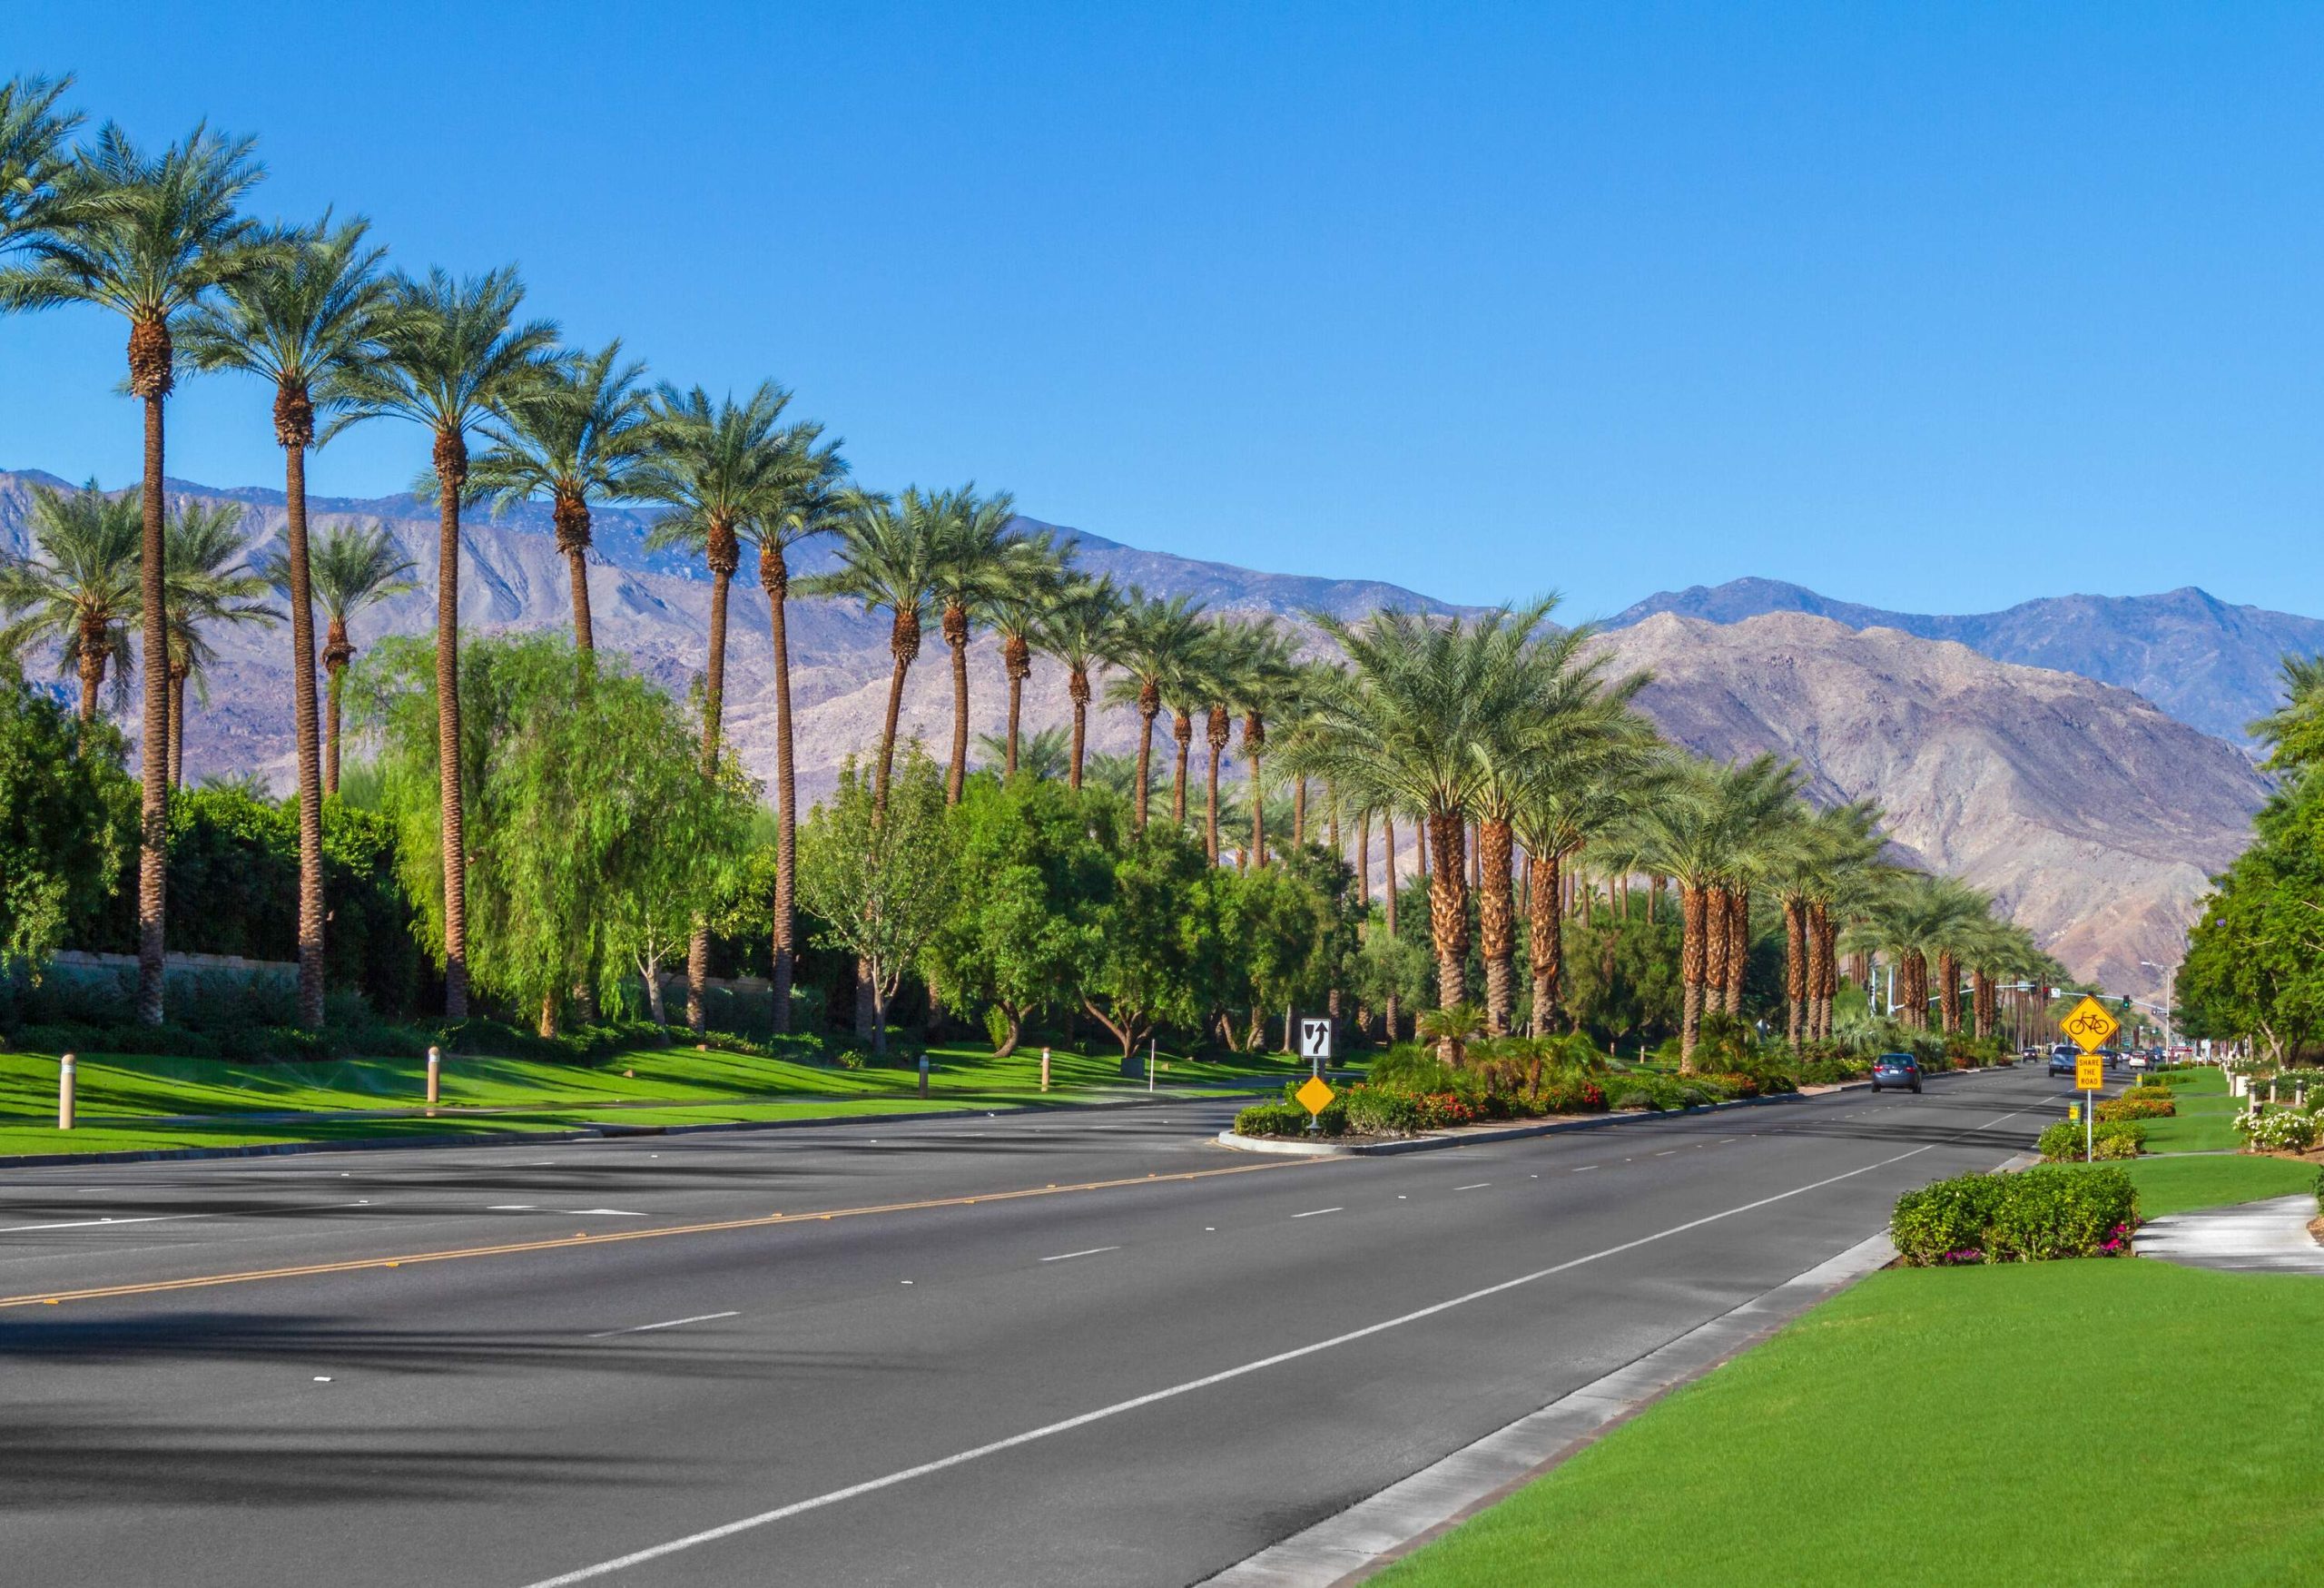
2266,1237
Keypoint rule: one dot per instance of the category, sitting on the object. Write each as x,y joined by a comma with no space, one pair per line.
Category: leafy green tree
1292,930
67,811
1036,865
1160,938
881,873
2255,961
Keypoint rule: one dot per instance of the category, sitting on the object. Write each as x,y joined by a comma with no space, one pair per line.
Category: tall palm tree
305,321
349,568
148,237
978,559
1263,686
1081,627
1808,868
35,154
720,468
1159,642
804,500
453,356
1220,682
1014,616
586,432
1401,730
206,582
887,561
1186,690
82,590
1568,796
1917,917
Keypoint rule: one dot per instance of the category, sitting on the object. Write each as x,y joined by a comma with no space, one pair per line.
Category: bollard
65,1093
1045,1070
923,1075
435,1075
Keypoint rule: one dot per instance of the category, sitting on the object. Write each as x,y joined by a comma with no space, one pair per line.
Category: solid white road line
1138,1403
1319,1212
1092,1252
674,1323
1480,1186
95,1223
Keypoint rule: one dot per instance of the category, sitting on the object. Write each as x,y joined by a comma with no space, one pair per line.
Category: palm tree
149,238
1400,730
977,562
1568,797
1044,753
720,468
453,356
34,157
1261,687
305,321
1185,690
887,559
1014,616
206,582
81,592
585,430
1219,685
804,500
1811,867
1919,916
1081,627
1160,641
350,569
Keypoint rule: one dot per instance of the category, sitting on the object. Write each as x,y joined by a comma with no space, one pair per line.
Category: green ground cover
1952,1425
123,1100
2173,1185
2201,1123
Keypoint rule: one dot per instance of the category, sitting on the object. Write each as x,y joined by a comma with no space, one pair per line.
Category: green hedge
2064,1141
2058,1210
1290,1119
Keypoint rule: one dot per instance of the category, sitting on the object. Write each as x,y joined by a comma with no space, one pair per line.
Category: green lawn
122,1099
2201,1123
2096,1422
2173,1185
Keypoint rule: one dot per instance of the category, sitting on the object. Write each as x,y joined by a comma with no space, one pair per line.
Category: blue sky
1934,307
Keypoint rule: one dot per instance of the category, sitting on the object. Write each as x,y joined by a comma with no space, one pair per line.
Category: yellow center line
355,1264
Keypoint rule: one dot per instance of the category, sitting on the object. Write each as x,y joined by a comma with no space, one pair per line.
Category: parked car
1896,1070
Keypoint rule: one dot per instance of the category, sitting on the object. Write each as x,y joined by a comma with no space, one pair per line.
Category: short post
435,1075
1045,1070
923,1075
2271,1091
1150,1063
65,1093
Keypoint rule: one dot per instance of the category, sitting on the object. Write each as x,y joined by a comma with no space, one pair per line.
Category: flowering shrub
2140,1102
2055,1211
1574,1096
2062,1142
2279,1130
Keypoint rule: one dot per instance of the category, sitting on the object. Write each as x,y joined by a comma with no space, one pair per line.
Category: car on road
1896,1070
2061,1058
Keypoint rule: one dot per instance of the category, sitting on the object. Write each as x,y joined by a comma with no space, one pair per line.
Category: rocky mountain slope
2094,815
2203,660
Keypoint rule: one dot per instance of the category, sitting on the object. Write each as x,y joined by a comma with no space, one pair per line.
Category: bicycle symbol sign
2090,1025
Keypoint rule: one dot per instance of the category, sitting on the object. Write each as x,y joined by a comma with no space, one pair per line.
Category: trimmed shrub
2062,1142
2279,1130
2140,1102
2053,1211
1289,1120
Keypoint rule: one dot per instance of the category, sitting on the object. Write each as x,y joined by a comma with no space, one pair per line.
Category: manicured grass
2201,1123
2094,1421
2173,1185
123,1100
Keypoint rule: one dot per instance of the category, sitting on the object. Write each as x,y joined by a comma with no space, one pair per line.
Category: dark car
1896,1070
2061,1058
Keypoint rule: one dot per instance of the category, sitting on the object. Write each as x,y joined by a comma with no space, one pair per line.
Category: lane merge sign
1315,1039
2090,1026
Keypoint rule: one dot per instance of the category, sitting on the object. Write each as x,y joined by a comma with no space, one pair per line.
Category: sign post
1315,1046
2091,1028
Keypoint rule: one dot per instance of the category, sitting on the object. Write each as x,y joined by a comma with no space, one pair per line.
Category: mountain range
2081,757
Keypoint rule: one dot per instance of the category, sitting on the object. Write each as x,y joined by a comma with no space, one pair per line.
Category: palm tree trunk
774,578
306,733
570,514
584,632
1218,741
1448,907
1017,660
1738,947
1254,744
1182,729
451,475
1388,878
177,730
1146,715
1794,969
714,706
1544,943
1715,922
1363,859
1695,913
955,637
888,733
1496,926
332,711
93,678
1076,688
1299,811
1948,990
149,346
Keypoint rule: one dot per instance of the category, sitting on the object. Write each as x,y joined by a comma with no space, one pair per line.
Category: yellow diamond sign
2090,1025
1315,1096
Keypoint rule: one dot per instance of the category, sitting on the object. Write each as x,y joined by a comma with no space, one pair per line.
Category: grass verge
1960,1425
2174,1185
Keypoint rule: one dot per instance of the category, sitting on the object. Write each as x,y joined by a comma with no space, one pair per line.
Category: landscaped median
1983,1413
138,1104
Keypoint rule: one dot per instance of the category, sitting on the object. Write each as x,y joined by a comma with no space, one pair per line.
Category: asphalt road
1018,1351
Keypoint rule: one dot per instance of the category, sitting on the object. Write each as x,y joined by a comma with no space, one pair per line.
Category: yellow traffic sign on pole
2090,1026
1316,1095
2089,1073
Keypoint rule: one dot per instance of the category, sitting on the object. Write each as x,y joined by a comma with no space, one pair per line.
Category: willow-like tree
305,321
149,237
81,590
454,355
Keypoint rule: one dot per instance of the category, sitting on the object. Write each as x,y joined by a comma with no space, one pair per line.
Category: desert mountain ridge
2094,816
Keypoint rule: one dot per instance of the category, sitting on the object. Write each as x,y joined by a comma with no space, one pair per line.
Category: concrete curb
1293,1147
1361,1540
611,1129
